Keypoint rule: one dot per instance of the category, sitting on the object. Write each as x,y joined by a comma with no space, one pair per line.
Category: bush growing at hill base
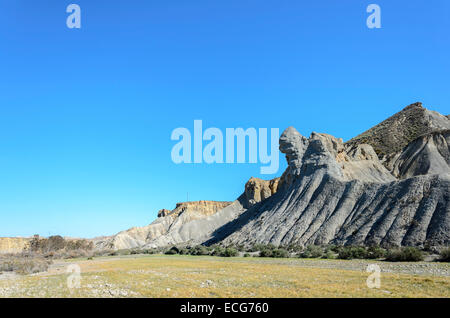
265,252
405,254
352,252
312,251
444,255
200,250
375,252
229,252
275,253
218,251
280,253
269,250
172,251
259,247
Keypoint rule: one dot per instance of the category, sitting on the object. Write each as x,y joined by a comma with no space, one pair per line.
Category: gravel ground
12,284
412,268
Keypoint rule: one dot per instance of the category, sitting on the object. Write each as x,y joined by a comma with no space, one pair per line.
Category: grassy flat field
198,276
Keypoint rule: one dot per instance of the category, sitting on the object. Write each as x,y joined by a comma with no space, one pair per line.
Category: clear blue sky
86,115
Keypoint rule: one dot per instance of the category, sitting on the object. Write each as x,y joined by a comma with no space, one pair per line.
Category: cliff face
170,227
331,195
428,154
198,209
387,186
257,190
13,244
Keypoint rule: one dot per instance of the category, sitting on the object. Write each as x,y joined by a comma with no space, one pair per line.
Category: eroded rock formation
428,154
389,137
13,244
335,196
171,227
388,186
257,190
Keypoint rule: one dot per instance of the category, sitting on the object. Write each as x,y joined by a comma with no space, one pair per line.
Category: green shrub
276,253
329,254
141,251
445,255
293,248
265,252
312,251
333,248
255,248
101,253
218,251
280,253
405,254
199,250
124,252
247,255
259,247
184,251
230,252
172,251
375,252
225,252
359,252
352,252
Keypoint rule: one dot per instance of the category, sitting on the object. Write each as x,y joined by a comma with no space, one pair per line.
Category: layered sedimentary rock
13,244
171,227
257,190
389,137
191,228
163,213
389,186
345,197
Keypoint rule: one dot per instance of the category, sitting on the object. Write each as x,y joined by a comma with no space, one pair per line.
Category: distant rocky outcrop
171,227
13,244
257,190
428,154
163,213
389,137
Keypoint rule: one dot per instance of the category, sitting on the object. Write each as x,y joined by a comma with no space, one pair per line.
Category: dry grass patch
190,276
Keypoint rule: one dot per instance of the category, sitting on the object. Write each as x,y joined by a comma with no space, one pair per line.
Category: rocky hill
332,196
171,227
190,222
389,137
388,186
428,154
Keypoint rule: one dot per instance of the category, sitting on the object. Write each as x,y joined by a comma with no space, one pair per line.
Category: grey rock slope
329,195
189,222
428,154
